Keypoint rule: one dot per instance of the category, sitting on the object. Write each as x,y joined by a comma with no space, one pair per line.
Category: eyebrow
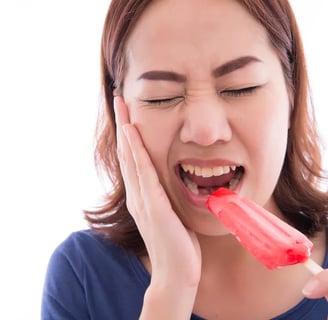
220,71
163,75
233,65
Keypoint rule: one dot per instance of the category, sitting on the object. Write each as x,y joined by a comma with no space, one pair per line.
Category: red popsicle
272,241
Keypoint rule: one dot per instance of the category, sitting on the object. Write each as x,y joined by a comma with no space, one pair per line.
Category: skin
195,264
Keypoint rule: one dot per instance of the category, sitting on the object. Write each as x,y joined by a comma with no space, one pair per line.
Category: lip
199,201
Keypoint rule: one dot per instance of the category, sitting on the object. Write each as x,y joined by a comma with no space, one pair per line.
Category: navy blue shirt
89,277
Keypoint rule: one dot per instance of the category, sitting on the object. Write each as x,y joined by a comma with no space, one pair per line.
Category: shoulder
86,242
89,275
87,251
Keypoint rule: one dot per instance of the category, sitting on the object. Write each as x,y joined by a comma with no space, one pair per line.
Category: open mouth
204,181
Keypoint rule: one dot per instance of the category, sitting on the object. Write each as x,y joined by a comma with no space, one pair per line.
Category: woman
198,94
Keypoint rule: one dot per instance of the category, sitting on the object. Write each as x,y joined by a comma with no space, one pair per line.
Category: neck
223,252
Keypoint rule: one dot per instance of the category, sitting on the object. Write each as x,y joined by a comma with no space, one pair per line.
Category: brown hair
297,192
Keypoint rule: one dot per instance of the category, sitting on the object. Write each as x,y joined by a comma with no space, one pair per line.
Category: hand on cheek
169,244
142,185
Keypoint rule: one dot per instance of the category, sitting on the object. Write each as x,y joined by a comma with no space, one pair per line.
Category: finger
128,168
121,118
121,111
317,286
150,186
141,169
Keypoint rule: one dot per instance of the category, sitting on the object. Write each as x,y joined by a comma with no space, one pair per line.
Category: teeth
188,167
207,172
226,169
217,171
198,171
191,185
234,181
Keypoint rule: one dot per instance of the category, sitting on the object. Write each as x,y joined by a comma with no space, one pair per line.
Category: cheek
266,144
270,145
268,121
157,132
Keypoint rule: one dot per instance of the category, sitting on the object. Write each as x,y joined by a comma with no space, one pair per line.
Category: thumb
317,286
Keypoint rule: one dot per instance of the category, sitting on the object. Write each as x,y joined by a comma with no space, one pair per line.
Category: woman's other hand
317,286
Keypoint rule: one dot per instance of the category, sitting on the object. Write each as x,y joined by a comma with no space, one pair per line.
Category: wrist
168,302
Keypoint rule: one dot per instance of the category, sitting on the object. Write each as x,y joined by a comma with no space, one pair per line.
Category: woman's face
206,91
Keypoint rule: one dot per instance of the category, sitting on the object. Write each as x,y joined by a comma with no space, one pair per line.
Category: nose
205,122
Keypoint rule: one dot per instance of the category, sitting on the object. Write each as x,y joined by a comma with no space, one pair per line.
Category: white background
49,85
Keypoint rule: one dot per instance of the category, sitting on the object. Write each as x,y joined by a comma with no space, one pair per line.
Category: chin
204,224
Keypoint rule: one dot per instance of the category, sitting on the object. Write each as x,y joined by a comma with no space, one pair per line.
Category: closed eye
239,92
164,101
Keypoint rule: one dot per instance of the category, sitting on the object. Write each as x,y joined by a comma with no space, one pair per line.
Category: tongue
211,181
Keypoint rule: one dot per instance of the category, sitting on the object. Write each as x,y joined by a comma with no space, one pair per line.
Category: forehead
181,31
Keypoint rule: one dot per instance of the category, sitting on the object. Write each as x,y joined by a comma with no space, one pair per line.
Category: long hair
297,194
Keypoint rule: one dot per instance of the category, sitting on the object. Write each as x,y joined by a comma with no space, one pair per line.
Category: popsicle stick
312,266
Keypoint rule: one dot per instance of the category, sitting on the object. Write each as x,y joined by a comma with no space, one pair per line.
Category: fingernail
311,287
